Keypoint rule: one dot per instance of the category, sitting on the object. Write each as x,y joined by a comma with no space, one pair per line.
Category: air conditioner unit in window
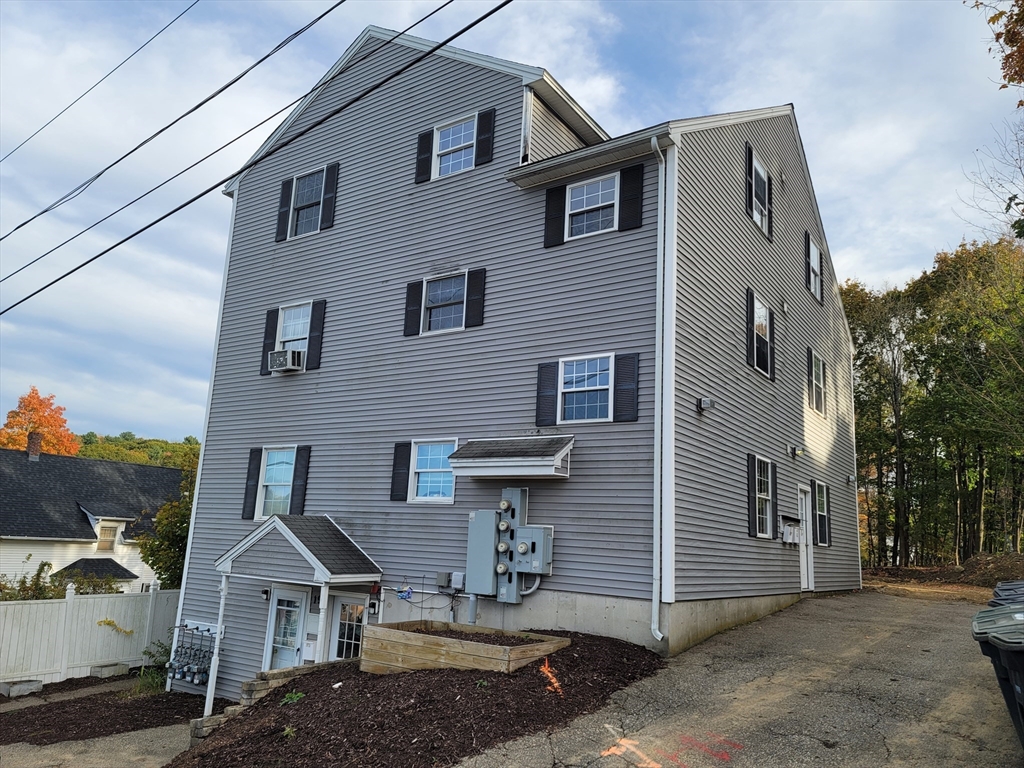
286,360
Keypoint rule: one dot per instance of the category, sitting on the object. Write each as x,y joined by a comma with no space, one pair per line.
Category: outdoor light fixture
705,404
850,479
796,450
265,593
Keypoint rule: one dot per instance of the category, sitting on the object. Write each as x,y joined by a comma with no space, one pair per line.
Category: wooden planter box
397,647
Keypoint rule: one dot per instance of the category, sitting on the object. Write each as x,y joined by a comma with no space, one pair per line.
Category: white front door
806,550
286,629
348,618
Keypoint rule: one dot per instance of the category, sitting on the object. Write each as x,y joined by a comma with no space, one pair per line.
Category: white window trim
424,308
611,387
261,493
411,496
615,206
762,221
815,359
757,495
768,337
817,513
816,276
435,162
292,214
279,343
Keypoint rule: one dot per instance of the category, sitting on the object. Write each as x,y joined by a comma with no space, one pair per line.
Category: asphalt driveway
862,679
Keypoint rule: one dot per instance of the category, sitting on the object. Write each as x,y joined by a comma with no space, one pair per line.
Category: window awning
513,457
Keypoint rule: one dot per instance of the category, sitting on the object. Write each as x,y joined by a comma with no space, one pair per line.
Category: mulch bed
76,684
488,638
432,718
103,714
979,571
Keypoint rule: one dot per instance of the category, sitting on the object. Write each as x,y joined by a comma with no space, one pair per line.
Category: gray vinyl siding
549,135
376,387
275,557
722,249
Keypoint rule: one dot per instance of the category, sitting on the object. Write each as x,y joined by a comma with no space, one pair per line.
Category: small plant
482,683
291,697
151,681
289,730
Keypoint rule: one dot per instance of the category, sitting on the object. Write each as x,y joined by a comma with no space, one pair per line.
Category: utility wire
344,69
69,106
88,182
253,163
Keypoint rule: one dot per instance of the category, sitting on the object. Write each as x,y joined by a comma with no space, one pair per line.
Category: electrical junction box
444,579
482,553
458,580
533,549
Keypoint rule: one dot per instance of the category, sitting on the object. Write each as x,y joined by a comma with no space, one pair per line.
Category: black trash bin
1007,593
1000,633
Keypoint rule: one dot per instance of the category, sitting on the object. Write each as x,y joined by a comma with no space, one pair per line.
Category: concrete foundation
108,670
13,688
683,624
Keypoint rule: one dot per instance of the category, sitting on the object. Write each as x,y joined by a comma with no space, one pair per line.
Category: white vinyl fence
52,640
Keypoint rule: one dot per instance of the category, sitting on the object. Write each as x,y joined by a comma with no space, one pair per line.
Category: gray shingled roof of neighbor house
100,567
45,499
330,545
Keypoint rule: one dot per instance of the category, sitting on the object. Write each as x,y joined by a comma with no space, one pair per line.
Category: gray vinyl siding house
656,523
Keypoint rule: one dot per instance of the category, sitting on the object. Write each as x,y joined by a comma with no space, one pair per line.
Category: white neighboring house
79,514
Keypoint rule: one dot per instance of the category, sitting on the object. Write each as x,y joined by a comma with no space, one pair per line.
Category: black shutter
631,197
252,483
484,151
547,394
771,227
807,259
269,341
750,327
771,344
424,156
316,334
400,472
627,374
299,474
284,210
814,512
824,392
330,193
810,377
750,181
475,297
828,515
554,217
774,517
413,308
751,495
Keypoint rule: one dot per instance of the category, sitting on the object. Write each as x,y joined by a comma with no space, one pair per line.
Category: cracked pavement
862,679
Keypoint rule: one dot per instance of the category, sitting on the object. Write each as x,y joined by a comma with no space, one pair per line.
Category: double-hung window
814,268
307,203
108,535
762,345
821,532
444,303
431,479
309,191
275,493
293,332
758,193
455,147
815,381
585,388
592,206
764,498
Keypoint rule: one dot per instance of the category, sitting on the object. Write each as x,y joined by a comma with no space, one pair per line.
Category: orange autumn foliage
36,413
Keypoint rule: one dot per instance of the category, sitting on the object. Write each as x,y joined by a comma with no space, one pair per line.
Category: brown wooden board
402,646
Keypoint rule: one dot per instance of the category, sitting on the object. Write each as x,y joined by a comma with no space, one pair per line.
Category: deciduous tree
164,550
36,413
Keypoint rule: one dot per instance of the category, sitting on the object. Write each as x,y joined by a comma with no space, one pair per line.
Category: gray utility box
482,553
533,549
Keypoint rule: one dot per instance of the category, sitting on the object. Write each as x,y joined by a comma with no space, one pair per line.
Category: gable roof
53,497
553,94
100,567
320,541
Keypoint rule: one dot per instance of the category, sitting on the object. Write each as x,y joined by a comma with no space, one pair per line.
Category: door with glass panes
347,621
286,630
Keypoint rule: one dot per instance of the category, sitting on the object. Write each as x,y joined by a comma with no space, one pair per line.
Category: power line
273,151
88,182
69,106
242,135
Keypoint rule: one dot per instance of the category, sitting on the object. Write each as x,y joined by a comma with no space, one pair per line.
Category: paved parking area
861,679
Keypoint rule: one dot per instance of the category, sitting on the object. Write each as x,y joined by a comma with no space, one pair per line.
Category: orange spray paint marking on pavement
549,672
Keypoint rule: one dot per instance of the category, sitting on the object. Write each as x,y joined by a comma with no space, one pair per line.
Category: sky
894,101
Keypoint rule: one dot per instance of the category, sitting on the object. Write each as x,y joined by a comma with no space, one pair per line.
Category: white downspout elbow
659,364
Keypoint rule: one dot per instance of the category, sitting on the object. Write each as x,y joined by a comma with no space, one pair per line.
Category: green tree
164,551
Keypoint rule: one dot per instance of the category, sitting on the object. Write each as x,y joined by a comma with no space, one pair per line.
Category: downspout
211,684
659,364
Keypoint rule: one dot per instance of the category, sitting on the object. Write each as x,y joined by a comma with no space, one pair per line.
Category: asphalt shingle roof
100,567
330,545
44,499
512,448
